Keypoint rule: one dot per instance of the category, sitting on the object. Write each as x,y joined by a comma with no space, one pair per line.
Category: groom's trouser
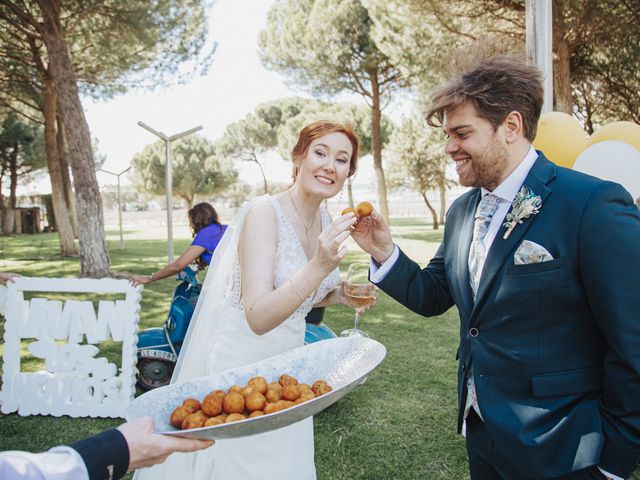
486,462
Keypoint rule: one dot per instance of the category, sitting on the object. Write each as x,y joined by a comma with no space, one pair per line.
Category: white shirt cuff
378,273
610,475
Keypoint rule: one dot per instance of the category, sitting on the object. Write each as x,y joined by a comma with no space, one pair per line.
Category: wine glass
359,293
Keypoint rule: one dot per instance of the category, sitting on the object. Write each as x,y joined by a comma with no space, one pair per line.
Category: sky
235,84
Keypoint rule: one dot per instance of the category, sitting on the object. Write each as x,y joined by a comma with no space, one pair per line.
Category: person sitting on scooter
207,232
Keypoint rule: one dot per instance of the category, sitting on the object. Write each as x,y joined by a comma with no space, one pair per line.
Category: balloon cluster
612,152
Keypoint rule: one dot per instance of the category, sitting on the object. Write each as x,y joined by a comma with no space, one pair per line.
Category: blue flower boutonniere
523,206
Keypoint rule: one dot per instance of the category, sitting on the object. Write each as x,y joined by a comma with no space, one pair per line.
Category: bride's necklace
306,228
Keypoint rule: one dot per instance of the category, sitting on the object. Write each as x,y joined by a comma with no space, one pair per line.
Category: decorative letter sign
75,380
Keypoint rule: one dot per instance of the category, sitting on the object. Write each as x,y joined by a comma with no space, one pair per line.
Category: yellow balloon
626,132
560,137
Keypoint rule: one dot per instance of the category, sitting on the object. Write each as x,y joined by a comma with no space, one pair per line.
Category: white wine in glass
360,293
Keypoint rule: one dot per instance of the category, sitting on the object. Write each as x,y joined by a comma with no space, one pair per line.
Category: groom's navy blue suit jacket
556,358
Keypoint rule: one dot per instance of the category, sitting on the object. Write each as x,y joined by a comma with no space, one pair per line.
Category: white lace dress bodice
234,330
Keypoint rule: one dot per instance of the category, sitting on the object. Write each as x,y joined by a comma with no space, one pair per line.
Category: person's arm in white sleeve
105,456
57,464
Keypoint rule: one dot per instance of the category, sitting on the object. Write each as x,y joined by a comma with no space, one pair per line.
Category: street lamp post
168,184
117,175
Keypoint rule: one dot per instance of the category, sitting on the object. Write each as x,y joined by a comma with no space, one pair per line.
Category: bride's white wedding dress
219,338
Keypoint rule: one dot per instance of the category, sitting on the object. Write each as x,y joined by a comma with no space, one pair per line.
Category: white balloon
612,160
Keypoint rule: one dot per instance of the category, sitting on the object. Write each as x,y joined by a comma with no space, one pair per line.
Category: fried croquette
246,391
178,415
255,401
259,384
219,393
233,403
275,385
234,417
347,210
303,387
305,397
192,404
321,387
212,404
276,407
287,380
273,395
194,420
364,209
213,421
257,413
309,395
290,392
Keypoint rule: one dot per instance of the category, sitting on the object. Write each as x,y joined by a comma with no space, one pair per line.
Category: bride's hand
374,293
339,297
331,250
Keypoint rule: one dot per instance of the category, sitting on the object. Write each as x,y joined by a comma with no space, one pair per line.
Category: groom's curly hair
496,86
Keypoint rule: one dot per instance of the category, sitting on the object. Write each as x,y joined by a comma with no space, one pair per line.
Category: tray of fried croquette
263,396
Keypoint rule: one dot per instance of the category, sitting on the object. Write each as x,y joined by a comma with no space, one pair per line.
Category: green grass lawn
399,425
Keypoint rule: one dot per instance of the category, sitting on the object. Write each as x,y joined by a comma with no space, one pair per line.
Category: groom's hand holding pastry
372,234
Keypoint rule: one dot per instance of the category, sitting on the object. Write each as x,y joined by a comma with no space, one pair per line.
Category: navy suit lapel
501,251
464,244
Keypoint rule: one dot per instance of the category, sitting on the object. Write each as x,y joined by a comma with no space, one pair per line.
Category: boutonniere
523,206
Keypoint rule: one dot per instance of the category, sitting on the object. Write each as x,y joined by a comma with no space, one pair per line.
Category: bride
279,260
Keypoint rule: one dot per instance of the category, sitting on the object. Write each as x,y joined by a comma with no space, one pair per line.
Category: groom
543,264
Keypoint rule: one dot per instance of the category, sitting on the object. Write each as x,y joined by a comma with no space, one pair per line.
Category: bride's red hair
319,129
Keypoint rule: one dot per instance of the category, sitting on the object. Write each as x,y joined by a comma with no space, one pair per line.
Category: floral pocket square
530,252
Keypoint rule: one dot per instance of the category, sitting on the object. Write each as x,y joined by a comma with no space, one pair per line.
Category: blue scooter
159,347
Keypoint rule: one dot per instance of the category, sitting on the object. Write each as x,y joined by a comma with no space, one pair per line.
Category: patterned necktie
477,253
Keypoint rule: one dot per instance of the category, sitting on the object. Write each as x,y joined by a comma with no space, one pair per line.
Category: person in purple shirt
207,232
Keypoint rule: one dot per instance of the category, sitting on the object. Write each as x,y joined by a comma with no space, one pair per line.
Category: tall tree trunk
49,112
2,205
9,221
94,256
561,64
350,193
63,225
189,199
264,177
376,146
434,214
66,177
4,202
